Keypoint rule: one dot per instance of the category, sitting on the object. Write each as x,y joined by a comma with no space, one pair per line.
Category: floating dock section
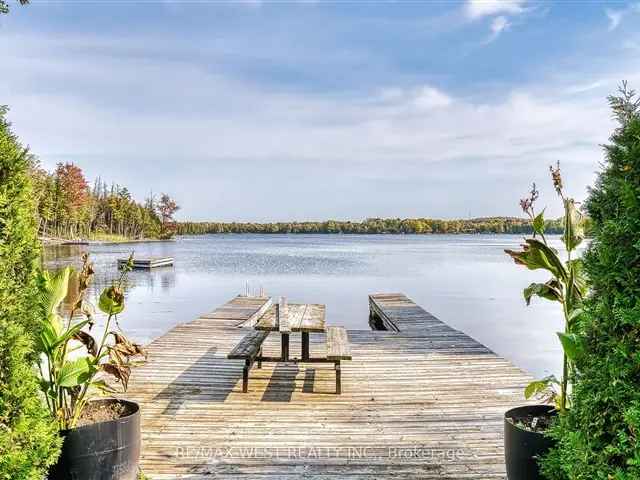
148,263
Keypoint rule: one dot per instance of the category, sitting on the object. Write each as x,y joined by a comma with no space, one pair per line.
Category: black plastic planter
522,448
101,451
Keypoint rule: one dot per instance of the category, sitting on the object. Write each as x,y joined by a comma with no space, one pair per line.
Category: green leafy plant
599,437
566,286
73,364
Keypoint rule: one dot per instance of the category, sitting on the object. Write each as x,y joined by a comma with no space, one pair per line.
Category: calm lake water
466,281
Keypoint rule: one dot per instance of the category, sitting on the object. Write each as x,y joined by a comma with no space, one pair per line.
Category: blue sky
312,109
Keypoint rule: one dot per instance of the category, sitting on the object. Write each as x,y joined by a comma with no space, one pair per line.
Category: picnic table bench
287,319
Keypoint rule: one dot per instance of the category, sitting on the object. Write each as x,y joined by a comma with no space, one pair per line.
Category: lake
465,280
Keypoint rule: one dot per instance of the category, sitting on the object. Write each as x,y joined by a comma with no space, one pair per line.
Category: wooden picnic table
287,318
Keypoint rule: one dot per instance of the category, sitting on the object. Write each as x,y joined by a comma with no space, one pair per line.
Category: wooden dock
148,263
395,312
423,402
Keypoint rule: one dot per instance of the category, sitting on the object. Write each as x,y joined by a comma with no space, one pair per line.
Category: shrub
599,438
28,437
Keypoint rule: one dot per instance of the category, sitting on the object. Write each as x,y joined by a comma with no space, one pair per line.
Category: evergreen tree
28,436
599,438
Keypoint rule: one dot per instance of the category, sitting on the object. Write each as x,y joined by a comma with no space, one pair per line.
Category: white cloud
423,97
500,10
498,25
429,97
584,87
615,17
476,9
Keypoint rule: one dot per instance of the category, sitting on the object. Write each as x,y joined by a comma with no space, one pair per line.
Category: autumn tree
167,207
73,192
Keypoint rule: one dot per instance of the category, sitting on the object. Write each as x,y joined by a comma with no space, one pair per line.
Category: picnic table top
297,317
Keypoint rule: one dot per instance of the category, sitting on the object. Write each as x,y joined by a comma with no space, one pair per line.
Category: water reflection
59,255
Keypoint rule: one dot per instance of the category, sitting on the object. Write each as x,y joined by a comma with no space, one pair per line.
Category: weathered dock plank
419,403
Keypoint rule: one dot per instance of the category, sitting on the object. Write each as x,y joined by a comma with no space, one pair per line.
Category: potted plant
101,437
525,427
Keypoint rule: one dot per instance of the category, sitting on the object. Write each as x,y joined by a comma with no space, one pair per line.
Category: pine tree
28,436
600,436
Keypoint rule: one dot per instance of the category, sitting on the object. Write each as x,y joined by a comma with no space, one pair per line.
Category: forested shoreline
511,225
69,208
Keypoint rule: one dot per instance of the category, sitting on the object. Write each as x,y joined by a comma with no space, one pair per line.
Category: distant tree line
69,208
373,225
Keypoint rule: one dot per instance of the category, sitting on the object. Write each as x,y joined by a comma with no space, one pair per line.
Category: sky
264,110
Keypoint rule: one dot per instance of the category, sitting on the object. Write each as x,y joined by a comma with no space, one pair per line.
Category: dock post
285,347
305,346
338,379
245,376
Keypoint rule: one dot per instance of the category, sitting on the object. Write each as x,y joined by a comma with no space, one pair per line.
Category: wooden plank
296,313
338,344
248,346
313,319
239,310
269,321
253,318
282,314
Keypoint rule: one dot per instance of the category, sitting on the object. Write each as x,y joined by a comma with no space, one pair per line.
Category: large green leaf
54,289
573,225
549,291
538,223
570,344
75,372
540,386
50,333
536,255
111,301
535,388
576,284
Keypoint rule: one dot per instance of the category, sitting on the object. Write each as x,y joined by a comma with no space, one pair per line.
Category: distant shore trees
69,208
373,226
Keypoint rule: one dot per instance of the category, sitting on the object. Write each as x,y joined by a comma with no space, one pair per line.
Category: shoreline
55,242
